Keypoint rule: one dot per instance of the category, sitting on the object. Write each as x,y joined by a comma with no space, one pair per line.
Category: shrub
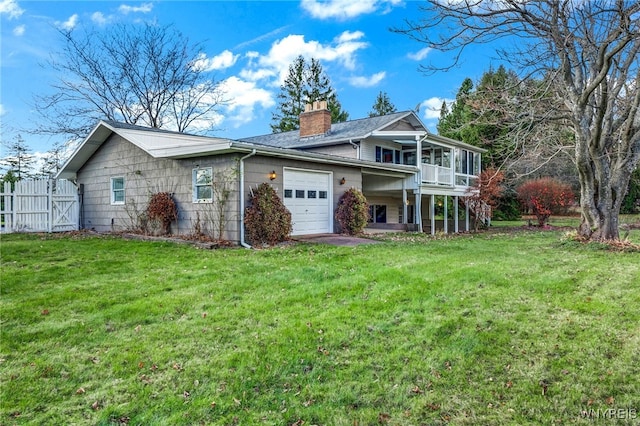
267,221
484,196
163,210
544,197
352,213
509,207
631,201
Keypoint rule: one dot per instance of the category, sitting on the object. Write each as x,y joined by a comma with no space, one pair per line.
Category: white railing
465,180
436,174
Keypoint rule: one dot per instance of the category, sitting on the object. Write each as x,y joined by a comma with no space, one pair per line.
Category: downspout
355,146
242,241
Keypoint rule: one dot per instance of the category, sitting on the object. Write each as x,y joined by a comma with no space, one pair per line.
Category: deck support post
455,214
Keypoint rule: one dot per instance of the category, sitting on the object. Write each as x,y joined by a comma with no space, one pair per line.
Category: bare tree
145,74
589,51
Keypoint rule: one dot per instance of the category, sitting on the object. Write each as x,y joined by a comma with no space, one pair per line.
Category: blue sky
247,46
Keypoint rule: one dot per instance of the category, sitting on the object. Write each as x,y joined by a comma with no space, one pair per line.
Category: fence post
50,205
7,206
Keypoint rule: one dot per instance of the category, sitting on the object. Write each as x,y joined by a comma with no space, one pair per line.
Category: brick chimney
315,120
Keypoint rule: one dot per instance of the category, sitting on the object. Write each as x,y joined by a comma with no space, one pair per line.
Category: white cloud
245,97
3,110
430,108
224,60
11,8
257,74
362,81
99,18
143,8
343,10
19,30
420,54
69,24
261,37
283,52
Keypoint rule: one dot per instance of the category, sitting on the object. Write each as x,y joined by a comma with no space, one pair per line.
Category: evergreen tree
305,83
452,122
53,160
20,160
291,99
382,106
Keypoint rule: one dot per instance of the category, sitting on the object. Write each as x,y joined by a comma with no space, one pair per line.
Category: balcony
437,175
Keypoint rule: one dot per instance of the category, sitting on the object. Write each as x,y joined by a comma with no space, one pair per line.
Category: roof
160,143
356,130
340,132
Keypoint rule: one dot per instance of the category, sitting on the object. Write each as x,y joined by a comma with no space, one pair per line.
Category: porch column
466,215
456,199
419,155
432,213
404,203
418,210
418,207
446,215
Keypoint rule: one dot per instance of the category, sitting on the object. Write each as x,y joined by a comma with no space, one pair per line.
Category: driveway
334,239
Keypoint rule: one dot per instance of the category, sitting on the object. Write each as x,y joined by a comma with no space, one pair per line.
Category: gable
399,126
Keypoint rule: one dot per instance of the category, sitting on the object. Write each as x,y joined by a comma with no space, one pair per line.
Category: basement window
377,213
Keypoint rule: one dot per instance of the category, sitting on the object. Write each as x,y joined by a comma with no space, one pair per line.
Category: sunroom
433,199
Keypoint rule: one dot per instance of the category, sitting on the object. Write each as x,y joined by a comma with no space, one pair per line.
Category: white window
202,189
117,190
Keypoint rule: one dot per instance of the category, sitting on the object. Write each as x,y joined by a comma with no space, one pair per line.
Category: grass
572,221
495,328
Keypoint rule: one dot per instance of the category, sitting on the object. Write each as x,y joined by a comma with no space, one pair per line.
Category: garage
307,195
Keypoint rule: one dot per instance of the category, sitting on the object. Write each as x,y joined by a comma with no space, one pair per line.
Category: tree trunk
602,189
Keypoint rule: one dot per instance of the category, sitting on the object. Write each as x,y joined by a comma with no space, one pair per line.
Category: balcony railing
436,174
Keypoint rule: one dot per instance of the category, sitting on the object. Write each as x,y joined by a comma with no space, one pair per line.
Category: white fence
39,205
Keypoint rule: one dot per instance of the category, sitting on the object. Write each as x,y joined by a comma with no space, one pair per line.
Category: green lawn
496,328
564,221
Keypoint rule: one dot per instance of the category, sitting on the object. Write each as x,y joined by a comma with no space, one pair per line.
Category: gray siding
344,150
394,206
257,171
368,148
145,175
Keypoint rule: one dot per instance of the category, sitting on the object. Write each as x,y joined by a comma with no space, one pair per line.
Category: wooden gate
39,205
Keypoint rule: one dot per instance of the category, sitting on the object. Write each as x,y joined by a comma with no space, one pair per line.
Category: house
412,179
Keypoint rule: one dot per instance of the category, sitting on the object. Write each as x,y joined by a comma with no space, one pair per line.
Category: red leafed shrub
544,197
267,221
484,195
352,213
162,209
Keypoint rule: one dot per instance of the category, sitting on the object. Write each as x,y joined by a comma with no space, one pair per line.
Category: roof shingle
340,132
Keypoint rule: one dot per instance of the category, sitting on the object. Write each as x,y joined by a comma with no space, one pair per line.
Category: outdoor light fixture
343,181
272,175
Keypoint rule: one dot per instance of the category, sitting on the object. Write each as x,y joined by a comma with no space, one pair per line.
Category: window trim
195,185
113,191
375,210
383,152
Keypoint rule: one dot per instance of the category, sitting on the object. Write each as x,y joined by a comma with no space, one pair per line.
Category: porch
426,208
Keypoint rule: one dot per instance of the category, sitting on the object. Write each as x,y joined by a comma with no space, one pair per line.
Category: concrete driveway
334,239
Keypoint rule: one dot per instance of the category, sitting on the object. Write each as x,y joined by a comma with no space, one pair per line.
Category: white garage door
307,195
